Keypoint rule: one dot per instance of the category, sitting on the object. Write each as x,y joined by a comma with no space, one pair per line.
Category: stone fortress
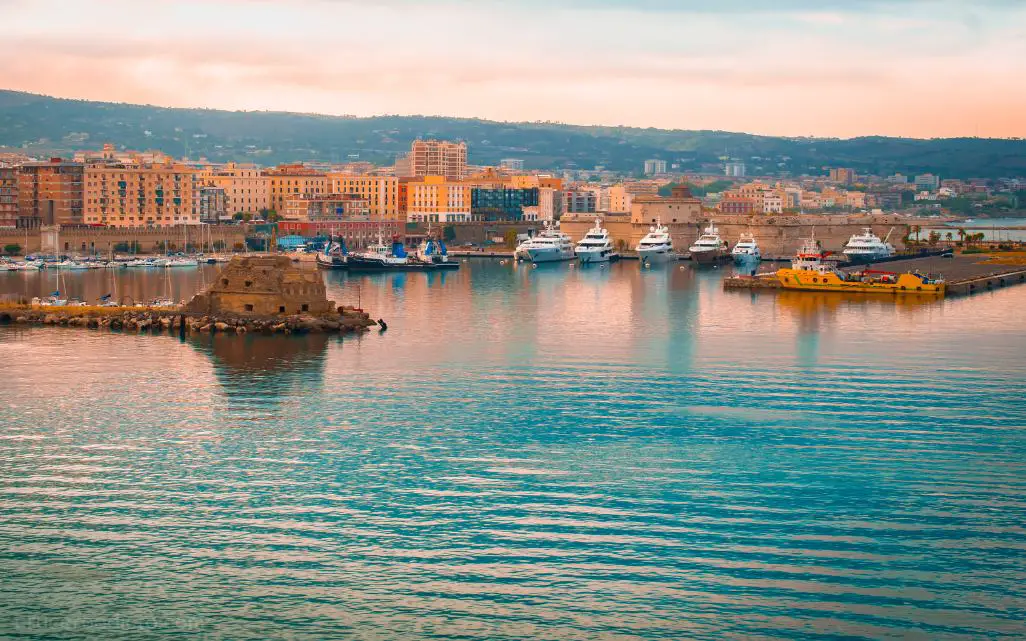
266,286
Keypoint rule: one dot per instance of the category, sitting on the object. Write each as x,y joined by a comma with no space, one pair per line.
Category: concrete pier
965,274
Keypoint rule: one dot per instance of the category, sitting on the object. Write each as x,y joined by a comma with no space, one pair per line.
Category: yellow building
381,193
435,199
138,195
619,200
285,181
679,207
247,190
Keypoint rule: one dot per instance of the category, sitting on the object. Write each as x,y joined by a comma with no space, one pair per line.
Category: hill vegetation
41,125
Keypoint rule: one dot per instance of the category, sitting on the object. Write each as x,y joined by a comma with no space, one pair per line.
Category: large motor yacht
596,246
867,246
656,246
746,249
709,248
551,245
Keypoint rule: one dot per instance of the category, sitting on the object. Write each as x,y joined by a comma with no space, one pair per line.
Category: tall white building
735,169
511,164
655,166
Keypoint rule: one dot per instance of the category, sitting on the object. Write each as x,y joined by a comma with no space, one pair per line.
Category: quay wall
103,239
778,236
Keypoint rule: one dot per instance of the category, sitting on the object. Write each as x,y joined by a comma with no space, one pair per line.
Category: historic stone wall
87,240
778,236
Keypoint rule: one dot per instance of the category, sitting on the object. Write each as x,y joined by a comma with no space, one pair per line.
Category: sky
920,68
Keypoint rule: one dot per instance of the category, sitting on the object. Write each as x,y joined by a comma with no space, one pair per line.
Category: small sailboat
165,301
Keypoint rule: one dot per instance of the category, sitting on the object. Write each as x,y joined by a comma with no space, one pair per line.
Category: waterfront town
113,196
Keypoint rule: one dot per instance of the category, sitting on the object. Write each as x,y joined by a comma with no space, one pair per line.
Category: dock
965,274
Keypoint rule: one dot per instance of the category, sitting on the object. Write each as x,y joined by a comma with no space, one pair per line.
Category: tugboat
656,246
380,257
335,255
596,246
709,248
810,271
434,252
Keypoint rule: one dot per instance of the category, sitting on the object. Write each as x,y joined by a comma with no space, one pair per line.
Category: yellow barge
811,272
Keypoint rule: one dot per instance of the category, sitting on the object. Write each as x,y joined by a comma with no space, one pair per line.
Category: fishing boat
709,248
656,246
811,271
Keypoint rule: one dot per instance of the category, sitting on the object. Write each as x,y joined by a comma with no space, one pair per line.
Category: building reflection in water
261,369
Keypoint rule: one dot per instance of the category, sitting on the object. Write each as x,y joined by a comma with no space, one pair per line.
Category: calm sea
551,453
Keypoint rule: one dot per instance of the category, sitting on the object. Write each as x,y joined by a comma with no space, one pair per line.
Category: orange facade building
8,197
288,181
50,193
381,193
247,190
141,195
435,199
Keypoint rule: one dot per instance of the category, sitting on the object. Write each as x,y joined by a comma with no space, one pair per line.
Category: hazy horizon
906,68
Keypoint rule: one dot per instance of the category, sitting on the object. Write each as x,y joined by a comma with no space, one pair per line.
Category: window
249,308
224,281
305,307
281,309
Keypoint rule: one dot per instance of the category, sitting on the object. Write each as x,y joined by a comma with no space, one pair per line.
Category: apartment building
327,208
247,190
436,199
8,197
380,192
140,195
50,193
288,181
438,158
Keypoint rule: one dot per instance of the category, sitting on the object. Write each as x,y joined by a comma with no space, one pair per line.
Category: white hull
745,257
546,255
594,255
857,255
660,255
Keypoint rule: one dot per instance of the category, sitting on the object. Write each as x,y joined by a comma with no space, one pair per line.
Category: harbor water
555,453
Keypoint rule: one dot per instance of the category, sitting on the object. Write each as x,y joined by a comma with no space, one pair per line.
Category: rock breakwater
344,320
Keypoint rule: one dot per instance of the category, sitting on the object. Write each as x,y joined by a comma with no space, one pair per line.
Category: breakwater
345,320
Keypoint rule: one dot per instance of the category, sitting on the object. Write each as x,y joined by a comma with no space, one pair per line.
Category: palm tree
961,235
948,236
915,230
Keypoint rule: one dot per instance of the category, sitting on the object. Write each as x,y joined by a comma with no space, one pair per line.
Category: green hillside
41,125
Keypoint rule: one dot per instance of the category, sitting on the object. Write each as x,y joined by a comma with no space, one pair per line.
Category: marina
483,436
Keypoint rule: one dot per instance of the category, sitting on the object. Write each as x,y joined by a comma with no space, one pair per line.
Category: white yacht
656,246
709,248
867,246
551,245
746,249
596,246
